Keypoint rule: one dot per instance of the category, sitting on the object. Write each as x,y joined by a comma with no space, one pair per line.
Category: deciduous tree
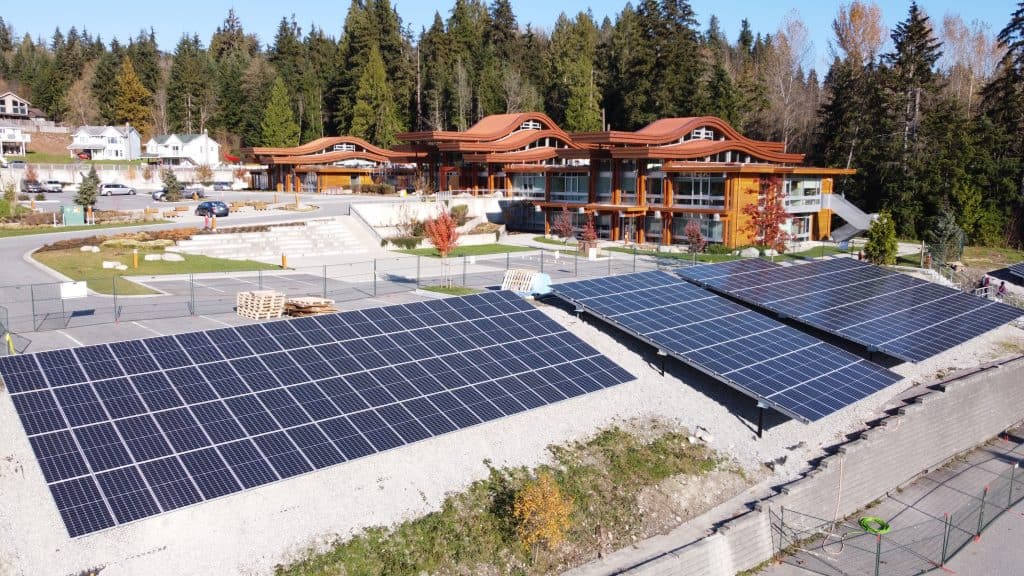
443,234
563,225
767,215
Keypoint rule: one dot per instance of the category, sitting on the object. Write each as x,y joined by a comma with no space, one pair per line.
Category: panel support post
662,354
760,420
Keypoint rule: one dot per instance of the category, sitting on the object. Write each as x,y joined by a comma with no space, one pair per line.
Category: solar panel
127,430
707,272
1017,270
894,313
784,368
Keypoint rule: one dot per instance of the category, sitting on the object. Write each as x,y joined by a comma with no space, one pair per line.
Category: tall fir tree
279,128
373,116
133,103
105,78
190,88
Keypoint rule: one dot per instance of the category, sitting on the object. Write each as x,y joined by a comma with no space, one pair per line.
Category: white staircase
310,239
857,220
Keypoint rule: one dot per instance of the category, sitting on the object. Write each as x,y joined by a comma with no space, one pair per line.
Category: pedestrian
986,281
1001,291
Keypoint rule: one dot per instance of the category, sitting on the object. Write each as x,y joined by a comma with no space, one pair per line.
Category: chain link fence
926,542
122,298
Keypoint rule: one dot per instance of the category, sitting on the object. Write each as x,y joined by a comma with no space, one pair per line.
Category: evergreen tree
573,96
88,189
190,88
146,60
373,116
722,99
105,78
279,128
881,245
172,187
257,85
133,103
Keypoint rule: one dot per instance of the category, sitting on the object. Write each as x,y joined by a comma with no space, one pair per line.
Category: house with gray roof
106,143
183,149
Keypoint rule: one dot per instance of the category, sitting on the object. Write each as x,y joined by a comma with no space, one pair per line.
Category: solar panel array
784,368
130,429
1017,270
894,313
706,272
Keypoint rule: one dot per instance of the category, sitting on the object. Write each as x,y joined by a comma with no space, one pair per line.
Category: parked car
212,208
31,187
221,186
17,164
111,188
53,186
193,191
186,194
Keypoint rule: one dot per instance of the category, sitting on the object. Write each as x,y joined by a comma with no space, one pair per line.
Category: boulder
153,257
770,252
108,265
172,257
88,248
121,267
750,253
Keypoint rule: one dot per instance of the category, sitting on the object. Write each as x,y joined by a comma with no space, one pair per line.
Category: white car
112,188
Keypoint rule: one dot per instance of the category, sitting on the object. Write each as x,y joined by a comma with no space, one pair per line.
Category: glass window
709,227
705,190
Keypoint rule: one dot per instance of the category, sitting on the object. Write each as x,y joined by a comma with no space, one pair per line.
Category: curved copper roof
669,131
704,148
317,151
490,129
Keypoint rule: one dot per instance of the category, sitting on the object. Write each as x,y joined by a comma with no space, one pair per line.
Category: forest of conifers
930,113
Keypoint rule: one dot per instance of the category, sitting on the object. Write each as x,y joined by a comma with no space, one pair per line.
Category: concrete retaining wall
960,414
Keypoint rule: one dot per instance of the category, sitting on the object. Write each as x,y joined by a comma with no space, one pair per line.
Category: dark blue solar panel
765,359
130,429
902,316
1017,270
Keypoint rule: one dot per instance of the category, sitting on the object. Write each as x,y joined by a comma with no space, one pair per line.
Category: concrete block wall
963,412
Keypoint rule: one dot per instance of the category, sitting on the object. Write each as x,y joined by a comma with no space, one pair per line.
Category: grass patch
474,531
479,250
87,266
49,158
703,257
554,241
30,230
989,259
451,290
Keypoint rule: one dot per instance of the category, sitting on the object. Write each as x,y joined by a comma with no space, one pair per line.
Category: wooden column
615,226
640,223
490,180
641,183
547,186
595,167
667,190
508,184
666,229
547,225
616,184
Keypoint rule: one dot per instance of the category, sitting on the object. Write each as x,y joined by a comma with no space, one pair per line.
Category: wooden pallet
308,306
259,304
518,280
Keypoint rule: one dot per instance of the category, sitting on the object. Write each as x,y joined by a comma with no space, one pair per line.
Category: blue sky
123,18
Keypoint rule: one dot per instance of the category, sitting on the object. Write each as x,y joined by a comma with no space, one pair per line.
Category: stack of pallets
260,304
308,306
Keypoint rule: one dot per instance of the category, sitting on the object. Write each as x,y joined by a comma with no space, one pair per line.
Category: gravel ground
250,532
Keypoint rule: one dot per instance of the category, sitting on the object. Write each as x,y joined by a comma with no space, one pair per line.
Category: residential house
14,107
13,142
178,149
106,143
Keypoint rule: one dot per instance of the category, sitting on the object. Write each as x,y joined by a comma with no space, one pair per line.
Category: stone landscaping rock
108,265
770,252
172,257
121,267
153,257
749,253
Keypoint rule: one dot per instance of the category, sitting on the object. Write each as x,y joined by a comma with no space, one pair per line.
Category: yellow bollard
284,261
33,204
135,258
275,197
213,224
10,343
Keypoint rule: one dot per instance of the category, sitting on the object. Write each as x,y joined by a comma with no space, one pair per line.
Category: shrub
204,174
419,229
172,185
40,196
379,189
22,196
406,242
88,189
542,513
460,214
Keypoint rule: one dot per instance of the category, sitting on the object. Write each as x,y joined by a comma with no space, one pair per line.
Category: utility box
73,215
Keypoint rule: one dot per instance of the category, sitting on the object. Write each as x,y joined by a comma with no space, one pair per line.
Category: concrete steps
314,238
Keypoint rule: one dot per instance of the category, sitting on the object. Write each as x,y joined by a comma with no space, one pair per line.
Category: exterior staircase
313,238
857,221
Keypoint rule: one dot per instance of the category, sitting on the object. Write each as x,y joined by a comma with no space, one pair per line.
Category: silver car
111,188
53,186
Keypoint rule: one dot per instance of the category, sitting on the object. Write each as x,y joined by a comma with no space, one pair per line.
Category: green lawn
452,290
481,250
991,258
706,258
87,266
45,158
554,241
28,231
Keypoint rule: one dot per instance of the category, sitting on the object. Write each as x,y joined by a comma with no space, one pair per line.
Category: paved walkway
916,514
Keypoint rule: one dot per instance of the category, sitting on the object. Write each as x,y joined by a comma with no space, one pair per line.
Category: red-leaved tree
694,237
589,234
563,224
768,215
443,234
